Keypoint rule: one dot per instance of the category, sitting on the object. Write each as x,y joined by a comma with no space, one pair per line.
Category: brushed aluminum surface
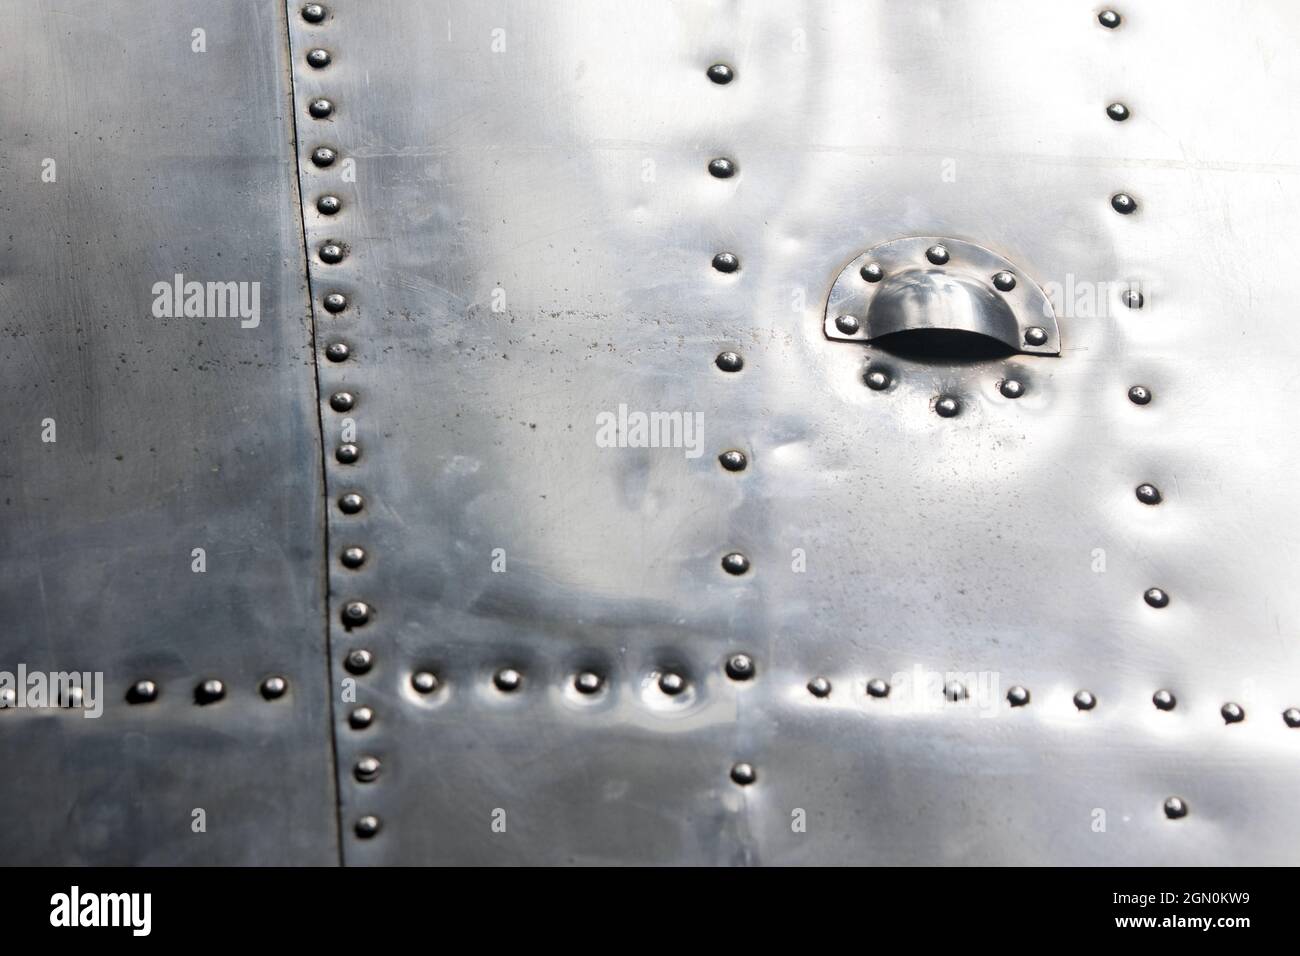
563,306
532,228
172,154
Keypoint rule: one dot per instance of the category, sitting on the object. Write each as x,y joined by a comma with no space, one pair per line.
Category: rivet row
741,667
208,691
878,378
354,613
1147,493
733,460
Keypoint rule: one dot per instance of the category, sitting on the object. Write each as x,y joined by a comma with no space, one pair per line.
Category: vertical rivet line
310,60
740,667
355,613
1132,298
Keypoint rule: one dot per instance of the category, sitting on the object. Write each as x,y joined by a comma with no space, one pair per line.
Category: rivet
337,351
359,661
342,401
744,774
722,168
1004,281
1010,388
1232,713
672,683
209,692
1139,395
1148,494
367,769
507,679
367,826
142,692
735,563
1123,203
323,156
819,687
877,379
947,407
740,667
351,503
937,254
726,262
332,253
1175,808
353,557
1017,696
954,690
424,682
1132,298
733,460
1035,336
356,613
872,272
1108,19
328,205
729,361
320,107
1292,717
1164,700
1084,700
721,73
848,324
313,13
336,302
273,688
318,58
347,454
1156,597
877,687
361,718
1118,112
588,682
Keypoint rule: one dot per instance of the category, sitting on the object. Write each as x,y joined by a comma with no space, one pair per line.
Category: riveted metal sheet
139,142
530,227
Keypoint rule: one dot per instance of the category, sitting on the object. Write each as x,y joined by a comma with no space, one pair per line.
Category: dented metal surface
540,237
638,553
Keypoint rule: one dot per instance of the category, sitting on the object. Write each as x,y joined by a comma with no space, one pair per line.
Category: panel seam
286,11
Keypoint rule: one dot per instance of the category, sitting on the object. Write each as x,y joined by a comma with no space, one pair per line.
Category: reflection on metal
557,210
1004,602
922,285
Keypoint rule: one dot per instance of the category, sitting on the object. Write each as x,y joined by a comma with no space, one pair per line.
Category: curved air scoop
928,299
939,297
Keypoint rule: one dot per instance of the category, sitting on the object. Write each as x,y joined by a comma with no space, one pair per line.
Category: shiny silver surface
927,284
172,434
844,600
533,230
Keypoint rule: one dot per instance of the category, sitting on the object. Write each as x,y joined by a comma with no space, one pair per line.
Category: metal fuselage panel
530,233
529,251
140,142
